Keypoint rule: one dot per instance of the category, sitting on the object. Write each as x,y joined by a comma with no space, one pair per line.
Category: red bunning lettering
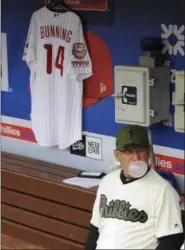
56,32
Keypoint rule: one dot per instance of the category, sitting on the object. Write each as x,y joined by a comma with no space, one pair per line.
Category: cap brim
131,146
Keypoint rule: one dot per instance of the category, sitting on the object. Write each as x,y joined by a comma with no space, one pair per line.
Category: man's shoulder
158,182
110,177
154,176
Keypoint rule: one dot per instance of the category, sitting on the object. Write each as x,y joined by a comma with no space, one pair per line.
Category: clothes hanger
58,6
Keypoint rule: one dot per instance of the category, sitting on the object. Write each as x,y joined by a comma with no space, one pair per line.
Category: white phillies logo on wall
173,37
162,163
8,130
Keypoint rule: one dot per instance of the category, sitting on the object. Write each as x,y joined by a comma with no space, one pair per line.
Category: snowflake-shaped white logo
178,32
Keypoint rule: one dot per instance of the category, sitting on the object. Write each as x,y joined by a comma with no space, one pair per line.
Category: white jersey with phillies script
135,215
58,59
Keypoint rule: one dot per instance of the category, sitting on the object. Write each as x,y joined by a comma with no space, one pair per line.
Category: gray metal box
142,94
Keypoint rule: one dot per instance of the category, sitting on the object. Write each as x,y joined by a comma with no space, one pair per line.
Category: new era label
93,147
89,146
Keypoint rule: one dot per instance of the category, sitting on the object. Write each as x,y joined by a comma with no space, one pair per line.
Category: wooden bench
37,207
8,242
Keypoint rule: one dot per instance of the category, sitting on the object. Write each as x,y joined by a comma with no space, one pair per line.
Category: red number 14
58,61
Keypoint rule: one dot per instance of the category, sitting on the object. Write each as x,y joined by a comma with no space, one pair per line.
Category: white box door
132,83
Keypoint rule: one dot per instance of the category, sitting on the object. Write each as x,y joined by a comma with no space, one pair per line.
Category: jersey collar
126,180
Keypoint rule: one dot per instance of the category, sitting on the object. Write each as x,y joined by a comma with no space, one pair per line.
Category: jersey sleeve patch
79,51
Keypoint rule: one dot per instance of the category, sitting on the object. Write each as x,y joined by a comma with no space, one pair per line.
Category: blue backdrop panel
121,28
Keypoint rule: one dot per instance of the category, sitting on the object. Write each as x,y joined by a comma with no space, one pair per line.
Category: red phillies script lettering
55,31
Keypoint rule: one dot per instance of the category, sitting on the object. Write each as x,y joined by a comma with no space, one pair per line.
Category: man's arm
92,238
171,242
94,223
169,229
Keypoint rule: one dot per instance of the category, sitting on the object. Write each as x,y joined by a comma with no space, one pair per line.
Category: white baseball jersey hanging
59,61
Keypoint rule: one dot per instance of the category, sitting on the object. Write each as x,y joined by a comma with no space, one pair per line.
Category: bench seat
37,207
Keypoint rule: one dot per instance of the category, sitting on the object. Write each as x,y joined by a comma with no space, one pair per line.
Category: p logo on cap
131,136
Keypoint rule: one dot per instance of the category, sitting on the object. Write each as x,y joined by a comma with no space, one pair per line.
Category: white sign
83,182
4,63
173,75
94,147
